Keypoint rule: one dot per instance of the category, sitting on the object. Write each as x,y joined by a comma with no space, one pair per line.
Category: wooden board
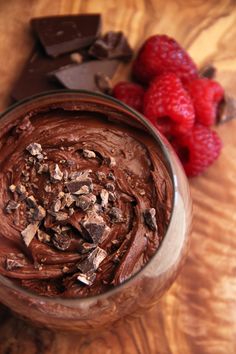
198,314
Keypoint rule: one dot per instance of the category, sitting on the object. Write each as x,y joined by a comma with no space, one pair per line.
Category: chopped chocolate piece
142,192
89,154
67,200
56,205
61,241
40,157
110,187
113,45
103,83
208,71
20,189
84,202
76,58
43,236
116,215
55,173
43,168
111,176
87,278
92,262
12,188
80,175
39,213
71,211
83,76
112,197
61,195
104,197
48,188
12,264
67,33
29,232
34,77
31,201
150,218
94,226
34,149
111,161
80,186
227,110
11,206
61,216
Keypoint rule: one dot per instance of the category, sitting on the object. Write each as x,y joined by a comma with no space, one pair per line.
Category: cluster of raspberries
180,104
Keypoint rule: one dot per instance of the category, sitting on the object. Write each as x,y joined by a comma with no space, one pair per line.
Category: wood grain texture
198,314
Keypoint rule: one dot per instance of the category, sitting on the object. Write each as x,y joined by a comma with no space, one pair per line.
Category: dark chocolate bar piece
113,45
63,34
34,77
83,76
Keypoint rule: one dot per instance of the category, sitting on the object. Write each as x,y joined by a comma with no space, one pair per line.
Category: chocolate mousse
85,200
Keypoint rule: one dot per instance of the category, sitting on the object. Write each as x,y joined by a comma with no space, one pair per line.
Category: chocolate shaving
55,173
11,206
92,262
34,149
113,45
61,241
150,218
29,232
94,227
103,83
89,154
87,278
116,215
227,110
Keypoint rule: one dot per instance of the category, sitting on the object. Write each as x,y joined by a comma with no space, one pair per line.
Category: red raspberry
198,149
206,95
129,93
168,105
162,54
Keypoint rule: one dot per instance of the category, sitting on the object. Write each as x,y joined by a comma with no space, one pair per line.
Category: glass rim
164,146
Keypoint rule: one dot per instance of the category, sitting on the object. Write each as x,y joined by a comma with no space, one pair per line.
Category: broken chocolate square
113,45
93,260
150,218
94,227
84,202
67,33
80,186
29,232
82,76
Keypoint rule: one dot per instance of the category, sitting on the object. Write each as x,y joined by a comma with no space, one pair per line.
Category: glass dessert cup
142,290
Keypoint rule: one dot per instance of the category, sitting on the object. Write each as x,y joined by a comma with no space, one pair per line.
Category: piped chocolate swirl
85,202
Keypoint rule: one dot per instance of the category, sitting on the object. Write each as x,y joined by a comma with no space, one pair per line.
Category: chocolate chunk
59,216
43,168
113,45
12,188
150,218
39,213
80,186
56,205
34,77
34,149
48,188
87,278
76,58
93,260
85,202
67,200
12,264
103,83
104,197
83,76
111,176
94,227
63,34
55,173
208,71
89,154
116,215
43,236
61,241
227,110
31,201
112,197
101,175
29,232
20,189
11,206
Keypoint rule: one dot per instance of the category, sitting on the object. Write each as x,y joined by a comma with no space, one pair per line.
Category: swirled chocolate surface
84,202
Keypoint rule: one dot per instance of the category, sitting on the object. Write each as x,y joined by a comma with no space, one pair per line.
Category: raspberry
162,54
206,95
129,93
168,105
198,149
